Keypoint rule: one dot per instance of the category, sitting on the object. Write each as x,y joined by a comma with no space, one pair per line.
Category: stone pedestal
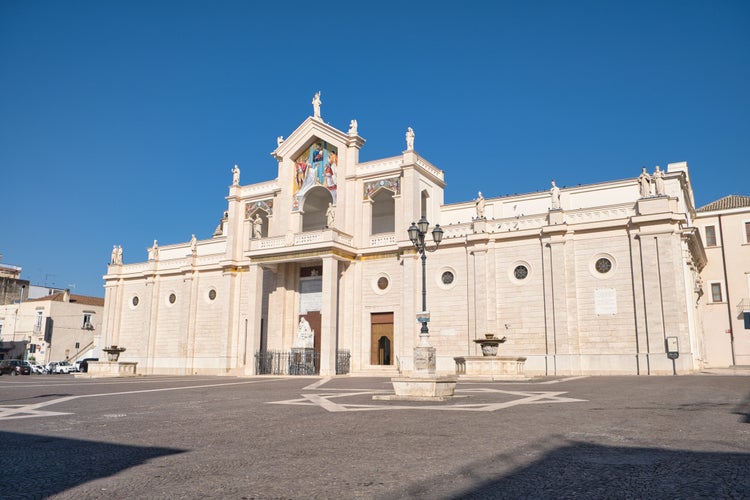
424,361
424,384
479,225
490,367
555,216
420,389
656,205
101,369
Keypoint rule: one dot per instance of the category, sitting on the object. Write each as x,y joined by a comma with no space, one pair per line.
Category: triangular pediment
310,130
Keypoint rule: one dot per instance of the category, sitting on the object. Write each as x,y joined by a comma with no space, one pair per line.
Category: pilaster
253,314
329,317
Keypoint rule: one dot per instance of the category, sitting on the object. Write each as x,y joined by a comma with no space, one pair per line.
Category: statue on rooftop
644,183
153,252
353,127
236,175
659,181
316,102
409,139
480,206
555,194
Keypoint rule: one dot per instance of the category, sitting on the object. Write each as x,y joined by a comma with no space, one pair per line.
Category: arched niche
264,220
383,212
313,208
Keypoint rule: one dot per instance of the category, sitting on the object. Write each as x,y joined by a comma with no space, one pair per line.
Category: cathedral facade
593,279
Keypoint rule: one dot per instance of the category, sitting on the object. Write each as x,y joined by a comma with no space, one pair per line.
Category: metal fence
297,362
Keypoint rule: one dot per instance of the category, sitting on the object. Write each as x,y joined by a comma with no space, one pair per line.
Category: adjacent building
61,326
592,279
725,226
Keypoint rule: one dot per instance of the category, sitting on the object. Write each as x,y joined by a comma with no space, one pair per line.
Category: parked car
60,367
84,364
38,369
14,367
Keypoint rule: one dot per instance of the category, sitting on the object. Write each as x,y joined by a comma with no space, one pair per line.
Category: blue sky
120,121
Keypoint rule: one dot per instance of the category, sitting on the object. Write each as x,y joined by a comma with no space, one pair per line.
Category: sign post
673,351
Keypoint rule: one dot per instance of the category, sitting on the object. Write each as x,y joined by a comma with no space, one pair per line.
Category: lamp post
424,354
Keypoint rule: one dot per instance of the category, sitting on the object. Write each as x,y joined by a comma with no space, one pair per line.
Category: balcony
743,306
323,239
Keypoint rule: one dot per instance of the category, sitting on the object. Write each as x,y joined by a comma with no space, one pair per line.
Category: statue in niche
305,335
644,183
409,139
236,175
353,127
153,252
659,181
330,215
555,194
480,206
316,102
257,227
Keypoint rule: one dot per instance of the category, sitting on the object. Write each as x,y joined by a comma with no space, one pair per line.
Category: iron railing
297,362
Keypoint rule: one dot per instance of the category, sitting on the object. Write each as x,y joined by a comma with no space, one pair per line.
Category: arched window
314,208
423,207
383,212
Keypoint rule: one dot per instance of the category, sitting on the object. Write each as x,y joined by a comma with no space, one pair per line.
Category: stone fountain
490,344
490,366
113,367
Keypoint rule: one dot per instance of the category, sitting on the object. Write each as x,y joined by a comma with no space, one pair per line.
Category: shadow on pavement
584,470
743,410
39,466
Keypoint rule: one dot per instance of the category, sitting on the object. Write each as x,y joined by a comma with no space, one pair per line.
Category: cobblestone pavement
221,437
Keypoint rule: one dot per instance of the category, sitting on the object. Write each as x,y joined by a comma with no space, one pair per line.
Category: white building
57,327
592,280
725,225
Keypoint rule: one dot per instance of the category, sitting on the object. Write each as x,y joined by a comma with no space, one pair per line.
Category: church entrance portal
381,345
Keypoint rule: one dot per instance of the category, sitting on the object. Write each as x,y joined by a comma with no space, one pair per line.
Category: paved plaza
220,437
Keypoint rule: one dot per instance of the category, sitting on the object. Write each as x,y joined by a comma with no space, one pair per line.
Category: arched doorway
381,334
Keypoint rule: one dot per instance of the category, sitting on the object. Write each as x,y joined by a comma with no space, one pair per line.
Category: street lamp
417,233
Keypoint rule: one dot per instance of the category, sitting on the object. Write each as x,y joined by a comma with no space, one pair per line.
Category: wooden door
381,335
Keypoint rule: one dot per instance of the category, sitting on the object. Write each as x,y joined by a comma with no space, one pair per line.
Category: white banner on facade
605,301
310,294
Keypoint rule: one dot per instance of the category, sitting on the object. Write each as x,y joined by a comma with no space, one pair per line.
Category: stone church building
592,279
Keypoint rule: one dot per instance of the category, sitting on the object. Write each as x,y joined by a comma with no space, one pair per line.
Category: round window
520,272
172,298
135,301
603,265
447,278
382,283
212,294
